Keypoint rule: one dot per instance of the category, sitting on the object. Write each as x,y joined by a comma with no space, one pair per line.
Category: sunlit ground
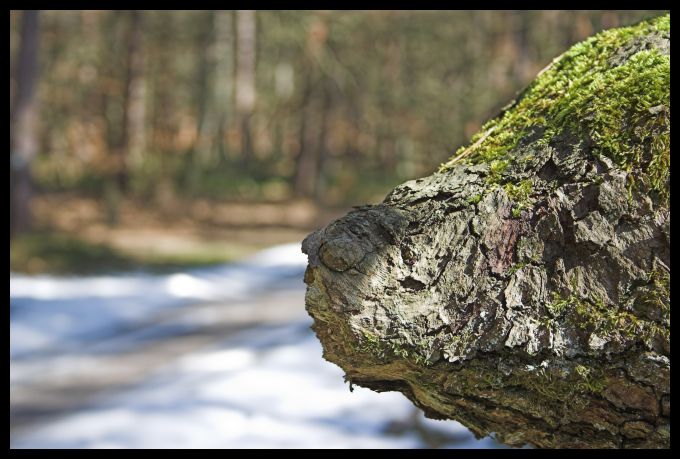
214,357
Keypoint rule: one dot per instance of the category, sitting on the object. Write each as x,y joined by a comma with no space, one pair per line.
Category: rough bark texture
530,300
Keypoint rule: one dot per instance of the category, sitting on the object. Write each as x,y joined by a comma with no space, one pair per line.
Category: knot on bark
346,241
341,253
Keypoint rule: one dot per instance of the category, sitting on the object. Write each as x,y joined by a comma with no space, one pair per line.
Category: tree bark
23,138
546,323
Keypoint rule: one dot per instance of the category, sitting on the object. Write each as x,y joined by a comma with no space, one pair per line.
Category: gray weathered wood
548,327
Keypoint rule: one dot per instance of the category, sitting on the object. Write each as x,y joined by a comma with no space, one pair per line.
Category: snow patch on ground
50,312
248,392
265,387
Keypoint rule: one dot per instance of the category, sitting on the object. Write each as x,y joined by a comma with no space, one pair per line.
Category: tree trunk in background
224,78
246,31
315,102
136,91
205,106
306,167
131,103
165,118
23,135
542,315
395,110
310,162
123,105
322,147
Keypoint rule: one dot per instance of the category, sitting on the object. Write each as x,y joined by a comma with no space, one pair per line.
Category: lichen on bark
523,289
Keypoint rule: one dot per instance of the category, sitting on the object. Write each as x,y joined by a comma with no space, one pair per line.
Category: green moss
658,295
559,304
516,267
371,344
383,349
457,348
596,317
624,109
562,385
544,388
497,168
589,379
520,194
475,199
591,314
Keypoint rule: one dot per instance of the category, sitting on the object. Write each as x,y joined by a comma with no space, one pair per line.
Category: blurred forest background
162,138
145,145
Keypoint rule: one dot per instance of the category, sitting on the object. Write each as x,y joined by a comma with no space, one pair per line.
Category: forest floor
73,234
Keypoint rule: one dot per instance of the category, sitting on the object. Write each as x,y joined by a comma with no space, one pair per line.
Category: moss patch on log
621,102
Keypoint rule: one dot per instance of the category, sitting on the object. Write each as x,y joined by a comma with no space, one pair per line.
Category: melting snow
261,388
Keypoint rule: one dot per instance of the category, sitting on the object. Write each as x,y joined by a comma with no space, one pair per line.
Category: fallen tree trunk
524,288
